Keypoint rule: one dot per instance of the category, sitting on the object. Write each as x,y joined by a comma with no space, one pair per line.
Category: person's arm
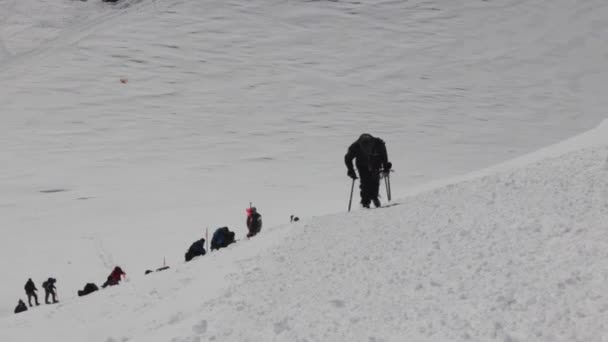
348,160
386,165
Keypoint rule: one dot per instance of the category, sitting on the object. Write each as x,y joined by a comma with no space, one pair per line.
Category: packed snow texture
226,102
515,253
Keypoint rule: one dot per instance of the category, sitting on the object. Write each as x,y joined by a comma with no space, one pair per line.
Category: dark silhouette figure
222,237
30,291
50,290
20,307
294,218
196,249
114,278
88,289
254,221
371,161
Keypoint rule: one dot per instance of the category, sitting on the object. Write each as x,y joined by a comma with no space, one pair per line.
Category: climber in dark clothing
88,288
222,237
254,221
114,278
49,290
20,307
371,161
196,249
30,291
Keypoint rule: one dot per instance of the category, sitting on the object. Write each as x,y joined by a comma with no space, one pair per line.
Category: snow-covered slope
515,255
235,101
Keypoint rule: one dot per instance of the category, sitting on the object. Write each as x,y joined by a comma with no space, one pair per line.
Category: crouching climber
114,278
20,307
196,249
222,237
88,289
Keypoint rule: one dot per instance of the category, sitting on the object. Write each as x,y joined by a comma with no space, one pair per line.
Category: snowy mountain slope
235,101
515,255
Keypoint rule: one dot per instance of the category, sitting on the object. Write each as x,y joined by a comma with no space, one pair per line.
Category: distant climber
196,249
30,291
20,307
88,289
222,237
114,278
254,221
50,290
372,160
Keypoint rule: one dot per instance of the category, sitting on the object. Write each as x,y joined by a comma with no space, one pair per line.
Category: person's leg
29,298
375,188
46,297
365,183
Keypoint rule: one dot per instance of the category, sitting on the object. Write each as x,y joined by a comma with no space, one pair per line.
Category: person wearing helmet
371,160
254,221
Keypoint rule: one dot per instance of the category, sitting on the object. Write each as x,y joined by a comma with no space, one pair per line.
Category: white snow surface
228,102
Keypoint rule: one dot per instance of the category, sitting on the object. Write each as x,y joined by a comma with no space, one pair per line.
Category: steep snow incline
518,255
234,101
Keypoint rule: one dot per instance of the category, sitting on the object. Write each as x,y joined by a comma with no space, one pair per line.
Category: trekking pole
388,185
388,196
352,188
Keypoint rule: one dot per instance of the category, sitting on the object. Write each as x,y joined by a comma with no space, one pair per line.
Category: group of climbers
222,237
371,162
51,291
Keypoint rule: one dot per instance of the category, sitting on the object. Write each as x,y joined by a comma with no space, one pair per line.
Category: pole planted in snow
352,188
